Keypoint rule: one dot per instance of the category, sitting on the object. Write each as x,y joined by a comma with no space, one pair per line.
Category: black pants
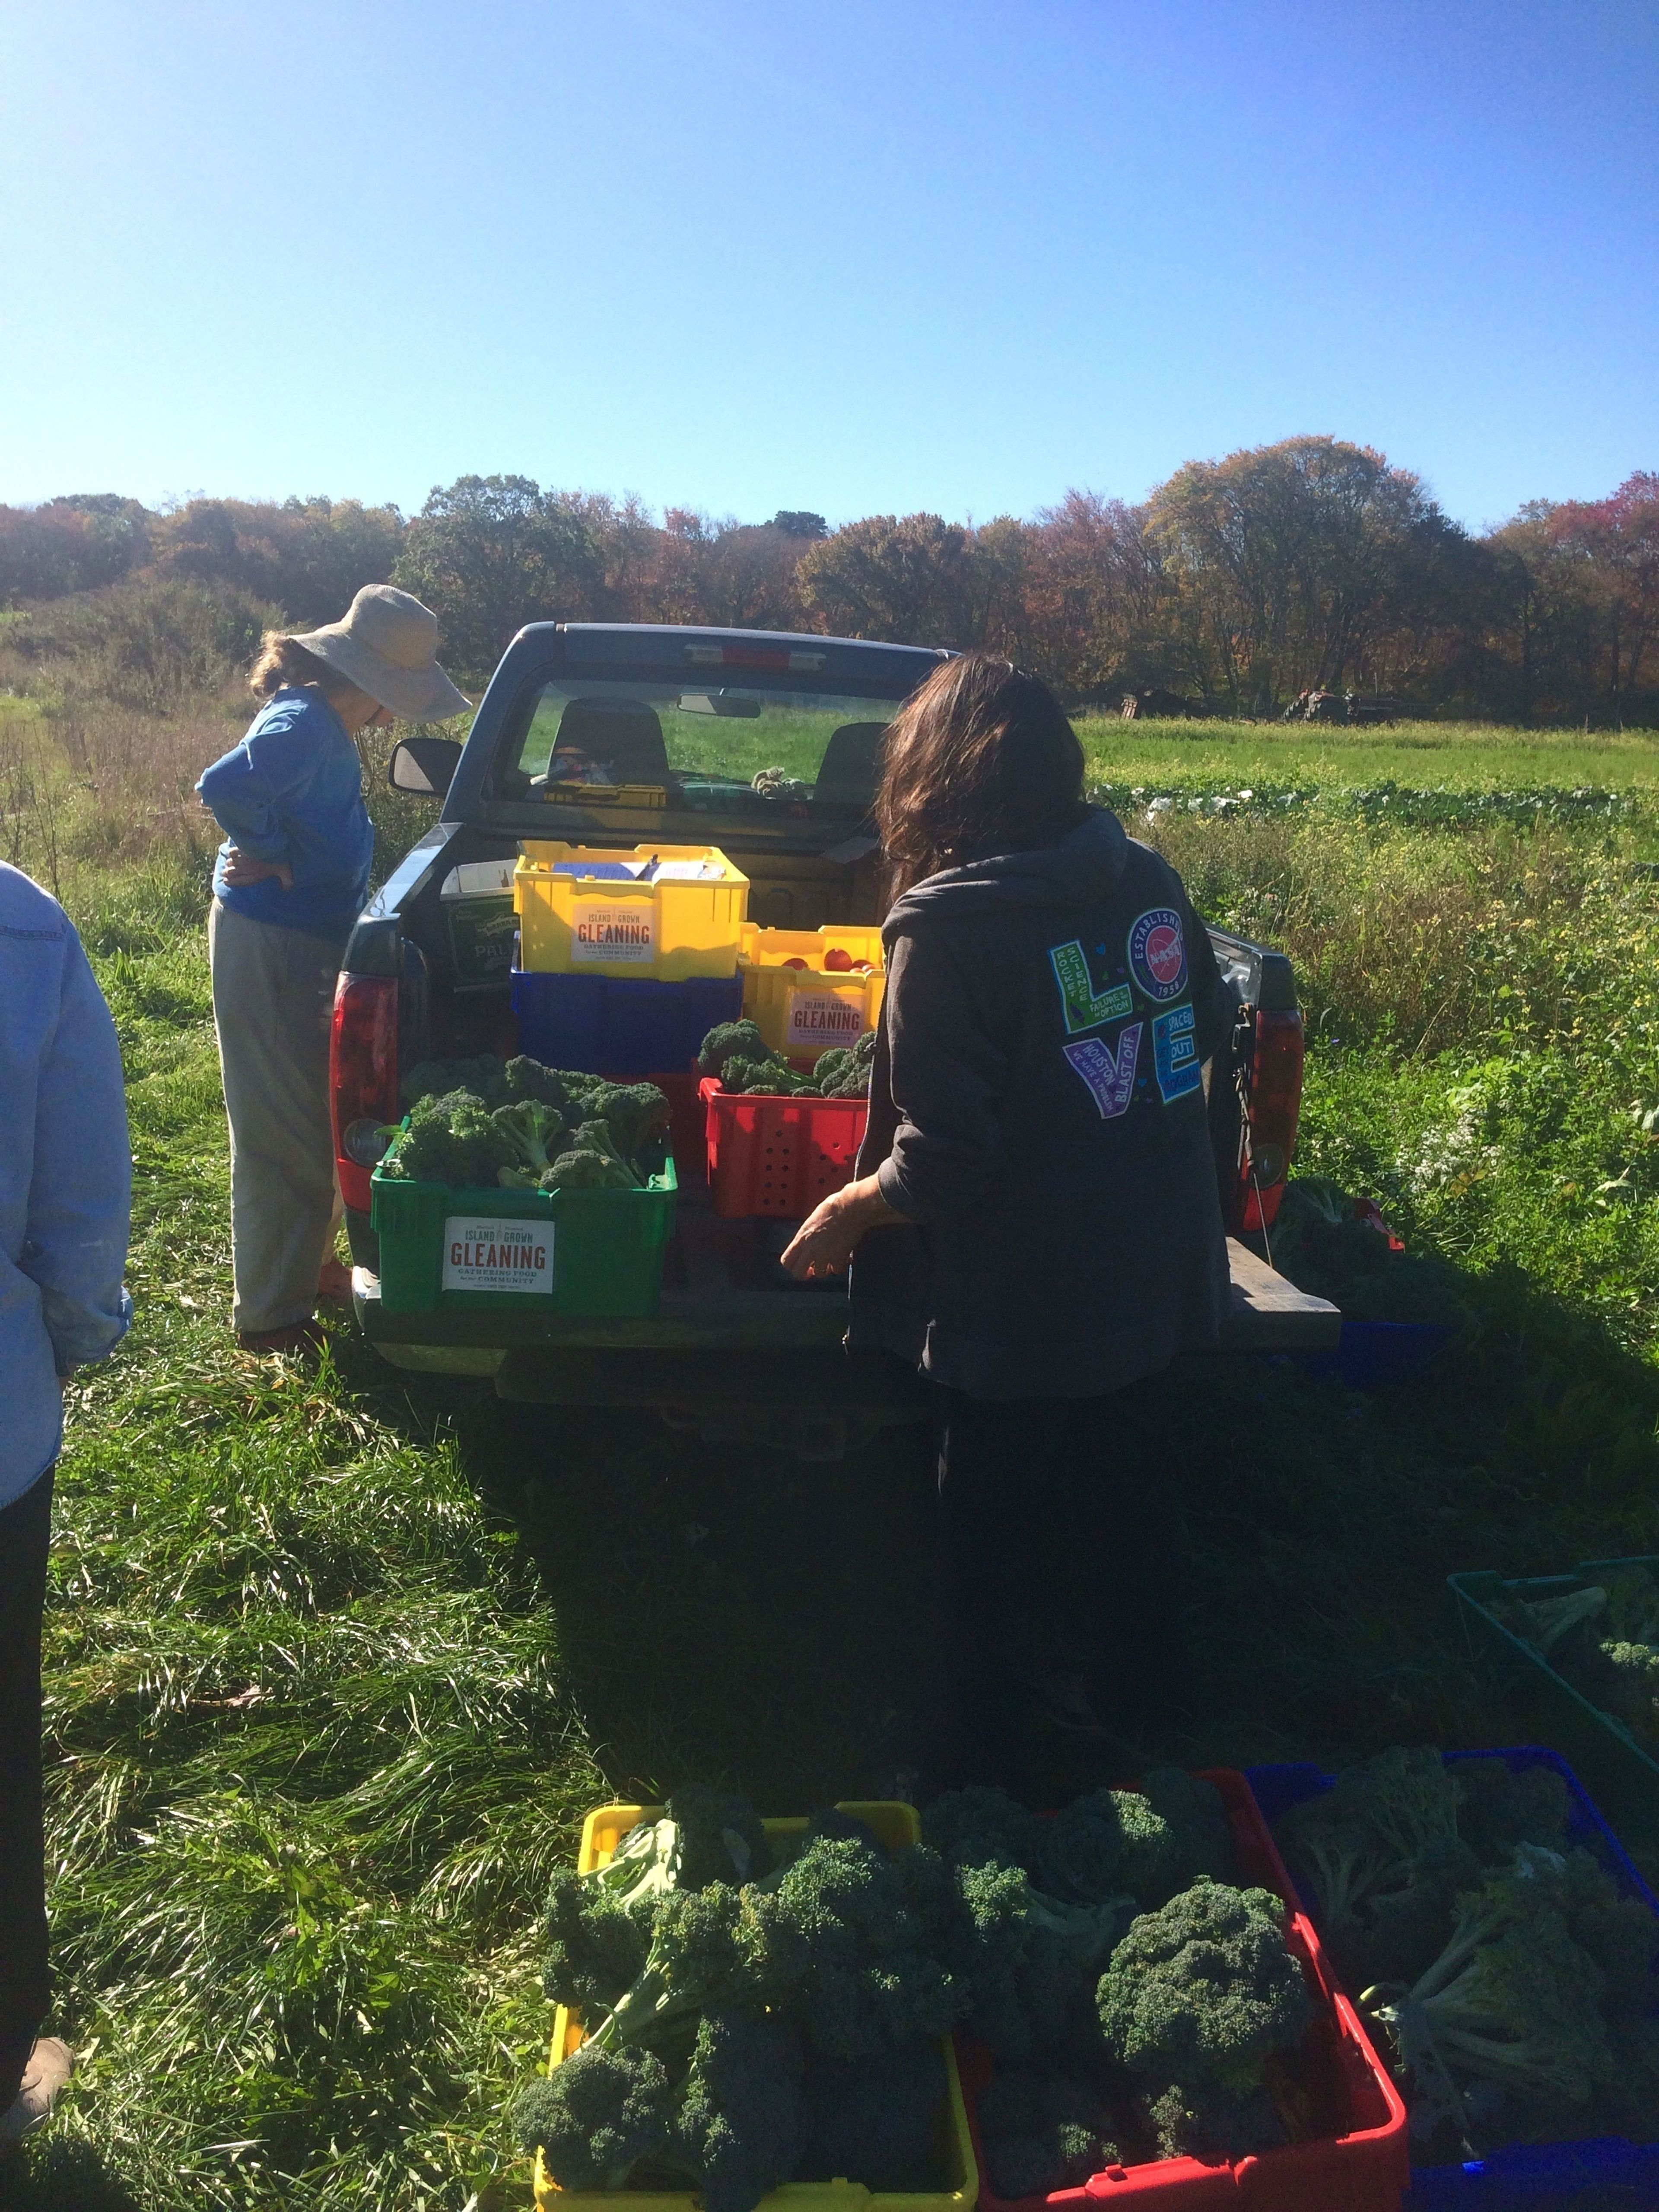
25,1988
1062,1554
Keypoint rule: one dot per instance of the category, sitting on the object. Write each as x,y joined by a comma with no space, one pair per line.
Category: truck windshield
722,749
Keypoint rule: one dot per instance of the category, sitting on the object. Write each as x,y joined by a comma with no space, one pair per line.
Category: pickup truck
768,745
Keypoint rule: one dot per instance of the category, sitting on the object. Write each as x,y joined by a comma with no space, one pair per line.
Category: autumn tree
488,554
1289,557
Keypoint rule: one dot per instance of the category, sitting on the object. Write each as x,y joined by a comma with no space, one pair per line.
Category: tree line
1237,584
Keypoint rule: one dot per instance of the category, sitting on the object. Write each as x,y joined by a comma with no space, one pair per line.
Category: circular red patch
1163,953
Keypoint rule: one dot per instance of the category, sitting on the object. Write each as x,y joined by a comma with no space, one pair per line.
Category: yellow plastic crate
603,924
805,1010
895,1825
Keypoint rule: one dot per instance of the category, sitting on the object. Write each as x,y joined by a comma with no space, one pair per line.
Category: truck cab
768,745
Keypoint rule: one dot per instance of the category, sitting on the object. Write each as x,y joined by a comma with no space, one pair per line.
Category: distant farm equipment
1143,706
1349,707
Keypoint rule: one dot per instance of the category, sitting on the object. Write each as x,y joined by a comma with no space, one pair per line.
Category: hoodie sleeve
947,1076
81,1193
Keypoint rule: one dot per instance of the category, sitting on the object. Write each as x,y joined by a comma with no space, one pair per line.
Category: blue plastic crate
1373,1355
622,1029
1531,2177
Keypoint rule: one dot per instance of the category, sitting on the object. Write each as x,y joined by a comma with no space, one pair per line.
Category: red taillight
362,1078
1275,1103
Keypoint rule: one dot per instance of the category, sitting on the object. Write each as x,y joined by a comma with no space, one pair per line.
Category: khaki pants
273,993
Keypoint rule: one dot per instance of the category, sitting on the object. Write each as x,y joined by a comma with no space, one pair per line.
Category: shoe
50,2065
299,1336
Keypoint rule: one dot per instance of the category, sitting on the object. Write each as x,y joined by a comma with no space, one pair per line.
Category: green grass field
1455,755
336,1661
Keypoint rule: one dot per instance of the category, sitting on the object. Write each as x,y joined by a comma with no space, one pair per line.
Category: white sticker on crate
820,1019
604,929
497,1256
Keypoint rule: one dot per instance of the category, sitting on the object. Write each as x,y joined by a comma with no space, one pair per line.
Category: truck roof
684,645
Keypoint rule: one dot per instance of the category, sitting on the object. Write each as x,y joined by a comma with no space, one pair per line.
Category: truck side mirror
425,766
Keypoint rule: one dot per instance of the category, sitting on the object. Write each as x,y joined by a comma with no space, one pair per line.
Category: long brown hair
980,760
284,664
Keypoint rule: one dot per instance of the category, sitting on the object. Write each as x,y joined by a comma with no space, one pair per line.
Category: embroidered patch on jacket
1110,1075
1084,1007
1175,1054
1157,953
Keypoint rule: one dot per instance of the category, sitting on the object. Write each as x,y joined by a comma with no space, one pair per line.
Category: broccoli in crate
737,1053
1509,1980
523,1126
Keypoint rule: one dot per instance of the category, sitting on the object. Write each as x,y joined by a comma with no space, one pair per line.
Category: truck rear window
721,748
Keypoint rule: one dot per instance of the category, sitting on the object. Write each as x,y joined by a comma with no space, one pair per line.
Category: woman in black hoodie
1034,1214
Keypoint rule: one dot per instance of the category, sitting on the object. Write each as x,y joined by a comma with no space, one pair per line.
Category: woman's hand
830,1236
242,869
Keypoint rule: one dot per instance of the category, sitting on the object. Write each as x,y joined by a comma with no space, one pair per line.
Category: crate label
822,1019
497,1256
608,930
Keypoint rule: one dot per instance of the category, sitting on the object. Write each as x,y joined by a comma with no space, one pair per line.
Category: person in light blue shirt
290,879
65,1193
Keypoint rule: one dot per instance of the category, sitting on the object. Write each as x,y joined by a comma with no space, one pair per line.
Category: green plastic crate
1621,1776
551,1252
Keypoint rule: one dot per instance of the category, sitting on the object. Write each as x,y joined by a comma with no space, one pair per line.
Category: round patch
1157,953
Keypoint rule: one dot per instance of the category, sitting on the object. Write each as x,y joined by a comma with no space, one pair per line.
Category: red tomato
837,962
794,964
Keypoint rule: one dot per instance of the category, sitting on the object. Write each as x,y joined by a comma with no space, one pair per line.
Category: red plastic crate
1362,2166
778,1156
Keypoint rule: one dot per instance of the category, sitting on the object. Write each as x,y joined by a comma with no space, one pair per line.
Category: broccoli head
829,1067
1209,2122
1204,1991
1512,2000
584,1168
704,1956
533,1131
451,1139
1103,1844
851,1942
1630,1686
875,2120
596,1948
717,1838
728,1040
853,1080
1042,2132
597,2116
524,1078
742,2123
982,1827
635,1114
1499,1806
1029,1961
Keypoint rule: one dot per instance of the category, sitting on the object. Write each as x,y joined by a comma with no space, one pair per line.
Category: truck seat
851,767
620,735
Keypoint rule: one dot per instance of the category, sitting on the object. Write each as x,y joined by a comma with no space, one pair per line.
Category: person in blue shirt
65,1192
291,880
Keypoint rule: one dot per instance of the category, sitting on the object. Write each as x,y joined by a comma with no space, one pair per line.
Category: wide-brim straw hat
387,644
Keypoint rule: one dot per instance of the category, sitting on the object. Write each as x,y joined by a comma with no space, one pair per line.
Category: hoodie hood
1085,864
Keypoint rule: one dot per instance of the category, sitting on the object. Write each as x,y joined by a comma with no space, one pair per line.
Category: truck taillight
362,1078
1275,1103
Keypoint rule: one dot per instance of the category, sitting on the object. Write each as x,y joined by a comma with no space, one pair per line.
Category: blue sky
864,257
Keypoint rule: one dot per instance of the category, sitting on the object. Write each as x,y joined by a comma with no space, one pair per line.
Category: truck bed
724,1292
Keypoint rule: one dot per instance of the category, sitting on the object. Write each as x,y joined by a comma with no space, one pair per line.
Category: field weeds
336,1661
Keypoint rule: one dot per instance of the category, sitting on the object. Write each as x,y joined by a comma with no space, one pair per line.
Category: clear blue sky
865,256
